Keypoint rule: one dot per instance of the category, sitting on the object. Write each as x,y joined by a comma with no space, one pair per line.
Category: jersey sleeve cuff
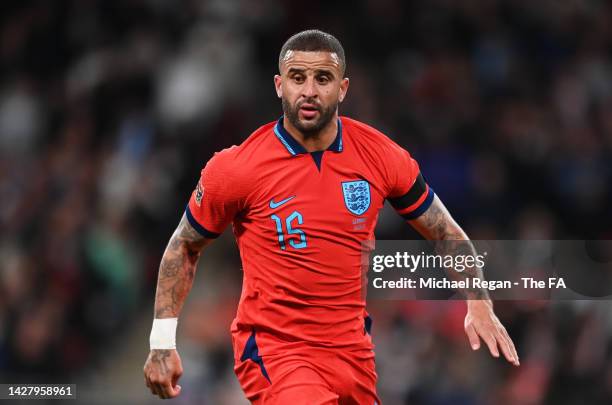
198,227
416,201
420,207
416,191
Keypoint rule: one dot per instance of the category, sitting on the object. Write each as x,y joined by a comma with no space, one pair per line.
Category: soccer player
303,193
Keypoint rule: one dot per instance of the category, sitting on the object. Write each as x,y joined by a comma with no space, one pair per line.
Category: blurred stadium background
108,110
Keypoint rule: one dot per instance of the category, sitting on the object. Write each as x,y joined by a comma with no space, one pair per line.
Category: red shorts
305,375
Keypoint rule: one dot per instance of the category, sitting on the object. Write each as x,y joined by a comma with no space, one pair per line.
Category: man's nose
309,89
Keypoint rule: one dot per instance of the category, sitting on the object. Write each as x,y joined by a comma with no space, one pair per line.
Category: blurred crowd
109,109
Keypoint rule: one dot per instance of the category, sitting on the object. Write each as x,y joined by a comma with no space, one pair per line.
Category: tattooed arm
163,368
177,269
437,225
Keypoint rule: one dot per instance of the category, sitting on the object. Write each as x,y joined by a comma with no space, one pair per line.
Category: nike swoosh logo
275,205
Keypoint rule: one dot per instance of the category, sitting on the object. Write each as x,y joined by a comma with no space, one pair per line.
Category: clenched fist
162,370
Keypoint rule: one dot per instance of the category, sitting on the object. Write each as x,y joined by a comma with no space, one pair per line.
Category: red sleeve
217,197
409,193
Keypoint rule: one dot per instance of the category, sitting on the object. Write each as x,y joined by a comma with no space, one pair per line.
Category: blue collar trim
295,148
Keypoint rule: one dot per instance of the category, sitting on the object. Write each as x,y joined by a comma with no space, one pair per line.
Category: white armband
163,334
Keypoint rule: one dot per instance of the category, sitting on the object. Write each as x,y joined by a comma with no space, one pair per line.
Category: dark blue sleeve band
201,230
412,196
422,208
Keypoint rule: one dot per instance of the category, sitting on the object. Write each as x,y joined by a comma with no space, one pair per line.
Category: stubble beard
308,128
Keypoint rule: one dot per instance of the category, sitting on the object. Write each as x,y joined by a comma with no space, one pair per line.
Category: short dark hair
313,41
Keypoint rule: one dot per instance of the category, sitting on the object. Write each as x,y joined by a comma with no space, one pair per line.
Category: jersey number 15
295,216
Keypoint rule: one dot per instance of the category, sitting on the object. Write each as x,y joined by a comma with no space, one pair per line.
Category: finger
170,391
492,344
153,389
159,391
505,347
512,347
175,379
176,376
148,384
473,337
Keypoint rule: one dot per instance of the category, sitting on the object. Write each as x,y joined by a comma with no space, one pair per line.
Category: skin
163,368
315,80
437,224
311,80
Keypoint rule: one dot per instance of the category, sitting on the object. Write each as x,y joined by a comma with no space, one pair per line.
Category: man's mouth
308,111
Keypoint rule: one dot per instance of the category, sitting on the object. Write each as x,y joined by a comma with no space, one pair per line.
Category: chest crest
357,196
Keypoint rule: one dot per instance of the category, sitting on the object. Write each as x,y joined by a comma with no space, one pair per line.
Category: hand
482,322
162,370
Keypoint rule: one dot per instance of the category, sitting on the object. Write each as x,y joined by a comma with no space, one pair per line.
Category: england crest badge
356,196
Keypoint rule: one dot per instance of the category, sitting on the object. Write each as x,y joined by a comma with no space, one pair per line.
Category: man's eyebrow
295,70
317,71
325,72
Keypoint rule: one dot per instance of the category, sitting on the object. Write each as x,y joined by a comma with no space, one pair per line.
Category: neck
317,141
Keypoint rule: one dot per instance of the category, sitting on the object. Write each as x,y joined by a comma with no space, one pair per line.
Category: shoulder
390,163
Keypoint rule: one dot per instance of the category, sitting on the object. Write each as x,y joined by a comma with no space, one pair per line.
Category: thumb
177,388
173,390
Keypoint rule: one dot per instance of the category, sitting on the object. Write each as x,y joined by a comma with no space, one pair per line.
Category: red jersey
300,220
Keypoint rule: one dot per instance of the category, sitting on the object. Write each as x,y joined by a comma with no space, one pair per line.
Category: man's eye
298,79
323,79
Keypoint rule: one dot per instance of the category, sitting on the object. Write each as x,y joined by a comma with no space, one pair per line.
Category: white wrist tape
163,334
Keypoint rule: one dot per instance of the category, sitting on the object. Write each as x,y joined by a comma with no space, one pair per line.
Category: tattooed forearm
437,225
463,248
177,270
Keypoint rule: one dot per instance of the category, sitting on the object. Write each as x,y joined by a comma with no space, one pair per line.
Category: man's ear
344,85
278,85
